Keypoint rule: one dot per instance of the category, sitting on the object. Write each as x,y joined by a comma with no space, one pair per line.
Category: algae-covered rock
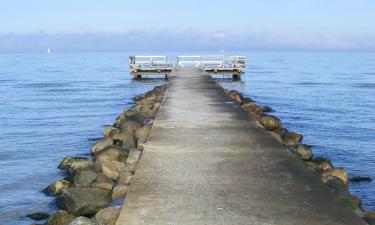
68,160
304,151
108,216
57,187
78,166
271,123
60,218
83,201
339,173
85,178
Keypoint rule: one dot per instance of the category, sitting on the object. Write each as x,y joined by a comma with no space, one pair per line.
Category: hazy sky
285,24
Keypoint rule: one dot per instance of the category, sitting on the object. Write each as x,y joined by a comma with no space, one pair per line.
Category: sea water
54,105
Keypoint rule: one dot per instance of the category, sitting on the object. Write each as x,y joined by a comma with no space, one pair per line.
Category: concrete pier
210,163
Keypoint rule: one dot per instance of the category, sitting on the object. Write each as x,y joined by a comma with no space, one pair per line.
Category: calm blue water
52,106
58,104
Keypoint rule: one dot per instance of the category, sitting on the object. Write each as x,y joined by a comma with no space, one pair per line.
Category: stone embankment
335,178
91,186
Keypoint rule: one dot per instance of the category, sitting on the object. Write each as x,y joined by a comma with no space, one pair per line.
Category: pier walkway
209,163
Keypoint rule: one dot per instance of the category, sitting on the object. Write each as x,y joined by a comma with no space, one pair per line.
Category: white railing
214,62
149,63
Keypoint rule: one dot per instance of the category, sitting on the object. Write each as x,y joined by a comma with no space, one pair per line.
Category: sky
118,25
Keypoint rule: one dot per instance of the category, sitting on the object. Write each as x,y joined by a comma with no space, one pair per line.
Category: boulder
133,159
38,216
290,138
111,161
112,169
125,139
126,177
267,109
304,151
319,164
60,218
101,145
141,136
111,154
83,201
233,94
339,173
78,166
110,131
119,120
82,221
271,123
104,182
150,95
108,216
119,191
57,187
68,160
360,179
84,178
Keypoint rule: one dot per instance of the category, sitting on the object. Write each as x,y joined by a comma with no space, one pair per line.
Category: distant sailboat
48,50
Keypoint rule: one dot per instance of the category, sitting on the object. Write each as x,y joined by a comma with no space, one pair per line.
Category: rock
339,173
112,154
141,136
108,216
271,123
57,187
111,161
101,145
290,138
322,163
304,151
104,182
150,95
82,221
233,94
68,160
125,139
133,159
84,200
119,120
119,191
78,166
267,109
319,164
110,131
112,169
38,216
60,218
126,177
361,179
85,178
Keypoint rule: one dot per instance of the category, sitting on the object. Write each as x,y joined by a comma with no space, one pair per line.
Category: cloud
169,40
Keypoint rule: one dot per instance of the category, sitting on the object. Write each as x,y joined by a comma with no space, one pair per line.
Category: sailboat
48,50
